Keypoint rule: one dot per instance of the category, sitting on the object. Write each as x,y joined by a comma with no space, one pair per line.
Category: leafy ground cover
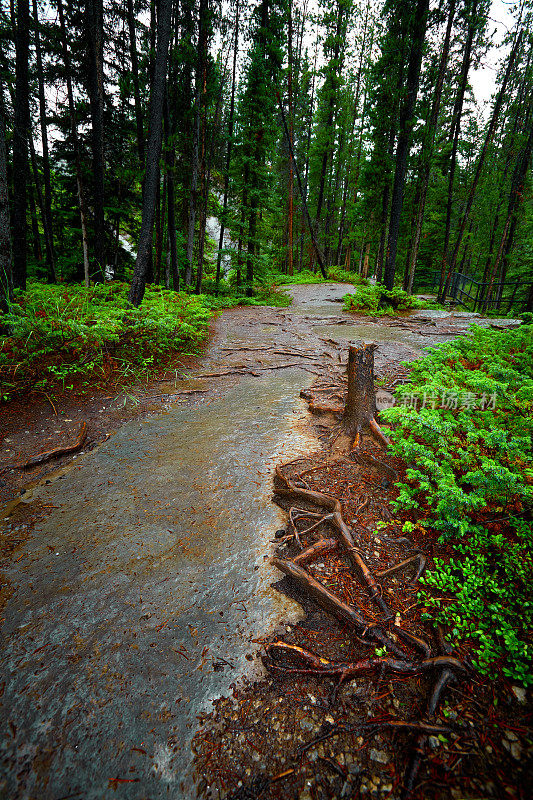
61,336
464,426
375,299
337,274
66,336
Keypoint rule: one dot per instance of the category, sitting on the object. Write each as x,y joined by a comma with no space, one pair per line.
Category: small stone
433,742
512,737
380,756
516,751
256,756
312,755
312,698
359,740
396,703
488,749
377,553
329,719
306,725
520,694
387,787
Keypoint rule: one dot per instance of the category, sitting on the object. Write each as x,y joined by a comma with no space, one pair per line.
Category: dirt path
134,572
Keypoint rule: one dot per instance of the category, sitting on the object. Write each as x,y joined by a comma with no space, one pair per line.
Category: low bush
376,299
306,276
464,427
61,334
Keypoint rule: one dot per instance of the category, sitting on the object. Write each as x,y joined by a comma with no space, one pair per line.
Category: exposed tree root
47,455
418,558
357,416
355,619
320,548
344,534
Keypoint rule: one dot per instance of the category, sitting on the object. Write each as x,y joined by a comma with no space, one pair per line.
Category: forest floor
281,735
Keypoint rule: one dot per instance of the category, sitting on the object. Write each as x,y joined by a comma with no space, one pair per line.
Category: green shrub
61,333
376,299
464,426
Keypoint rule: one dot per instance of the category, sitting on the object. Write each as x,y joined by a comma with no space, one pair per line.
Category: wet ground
139,591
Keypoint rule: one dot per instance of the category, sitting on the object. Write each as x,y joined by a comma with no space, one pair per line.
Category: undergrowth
375,300
464,426
60,336
337,274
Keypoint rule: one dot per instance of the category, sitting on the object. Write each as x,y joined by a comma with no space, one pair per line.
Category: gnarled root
343,532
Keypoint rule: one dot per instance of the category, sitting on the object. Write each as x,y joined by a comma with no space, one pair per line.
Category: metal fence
480,295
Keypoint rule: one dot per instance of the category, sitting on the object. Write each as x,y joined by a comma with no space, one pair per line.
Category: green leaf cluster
464,426
375,299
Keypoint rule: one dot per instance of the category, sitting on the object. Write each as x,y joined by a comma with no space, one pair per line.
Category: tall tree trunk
75,142
360,139
40,203
21,132
331,113
6,253
427,149
135,77
405,137
203,157
94,28
454,136
290,268
172,255
481,161
193,191
229,146
47,211
153,153
516,196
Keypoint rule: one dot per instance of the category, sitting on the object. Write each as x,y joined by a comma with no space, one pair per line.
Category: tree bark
481,161
153,154
47,211
6,254
172,255
75,142
94,30
229,147
427,149
405,137
454,135
21,132
135,77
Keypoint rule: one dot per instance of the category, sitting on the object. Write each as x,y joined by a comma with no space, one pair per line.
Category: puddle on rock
138,598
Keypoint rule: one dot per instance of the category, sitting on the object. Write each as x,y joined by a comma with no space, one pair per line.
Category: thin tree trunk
6,253
135,79
302,195
21,132
516,196
290,268
481,160
75,142
153,154
229,148
94,21
172,254
454,135
47,215
427,149
39,195
405,137
331,112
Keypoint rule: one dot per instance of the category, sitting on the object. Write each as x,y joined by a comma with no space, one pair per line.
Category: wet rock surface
135,587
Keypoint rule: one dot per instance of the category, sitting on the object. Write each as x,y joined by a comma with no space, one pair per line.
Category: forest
255,251
339,134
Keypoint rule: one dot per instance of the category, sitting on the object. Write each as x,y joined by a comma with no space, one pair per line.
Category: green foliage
59,334
375,300
464,426
334,274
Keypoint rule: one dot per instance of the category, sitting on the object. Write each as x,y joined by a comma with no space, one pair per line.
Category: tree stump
360,407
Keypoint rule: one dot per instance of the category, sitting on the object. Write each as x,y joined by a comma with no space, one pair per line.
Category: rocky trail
137,588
